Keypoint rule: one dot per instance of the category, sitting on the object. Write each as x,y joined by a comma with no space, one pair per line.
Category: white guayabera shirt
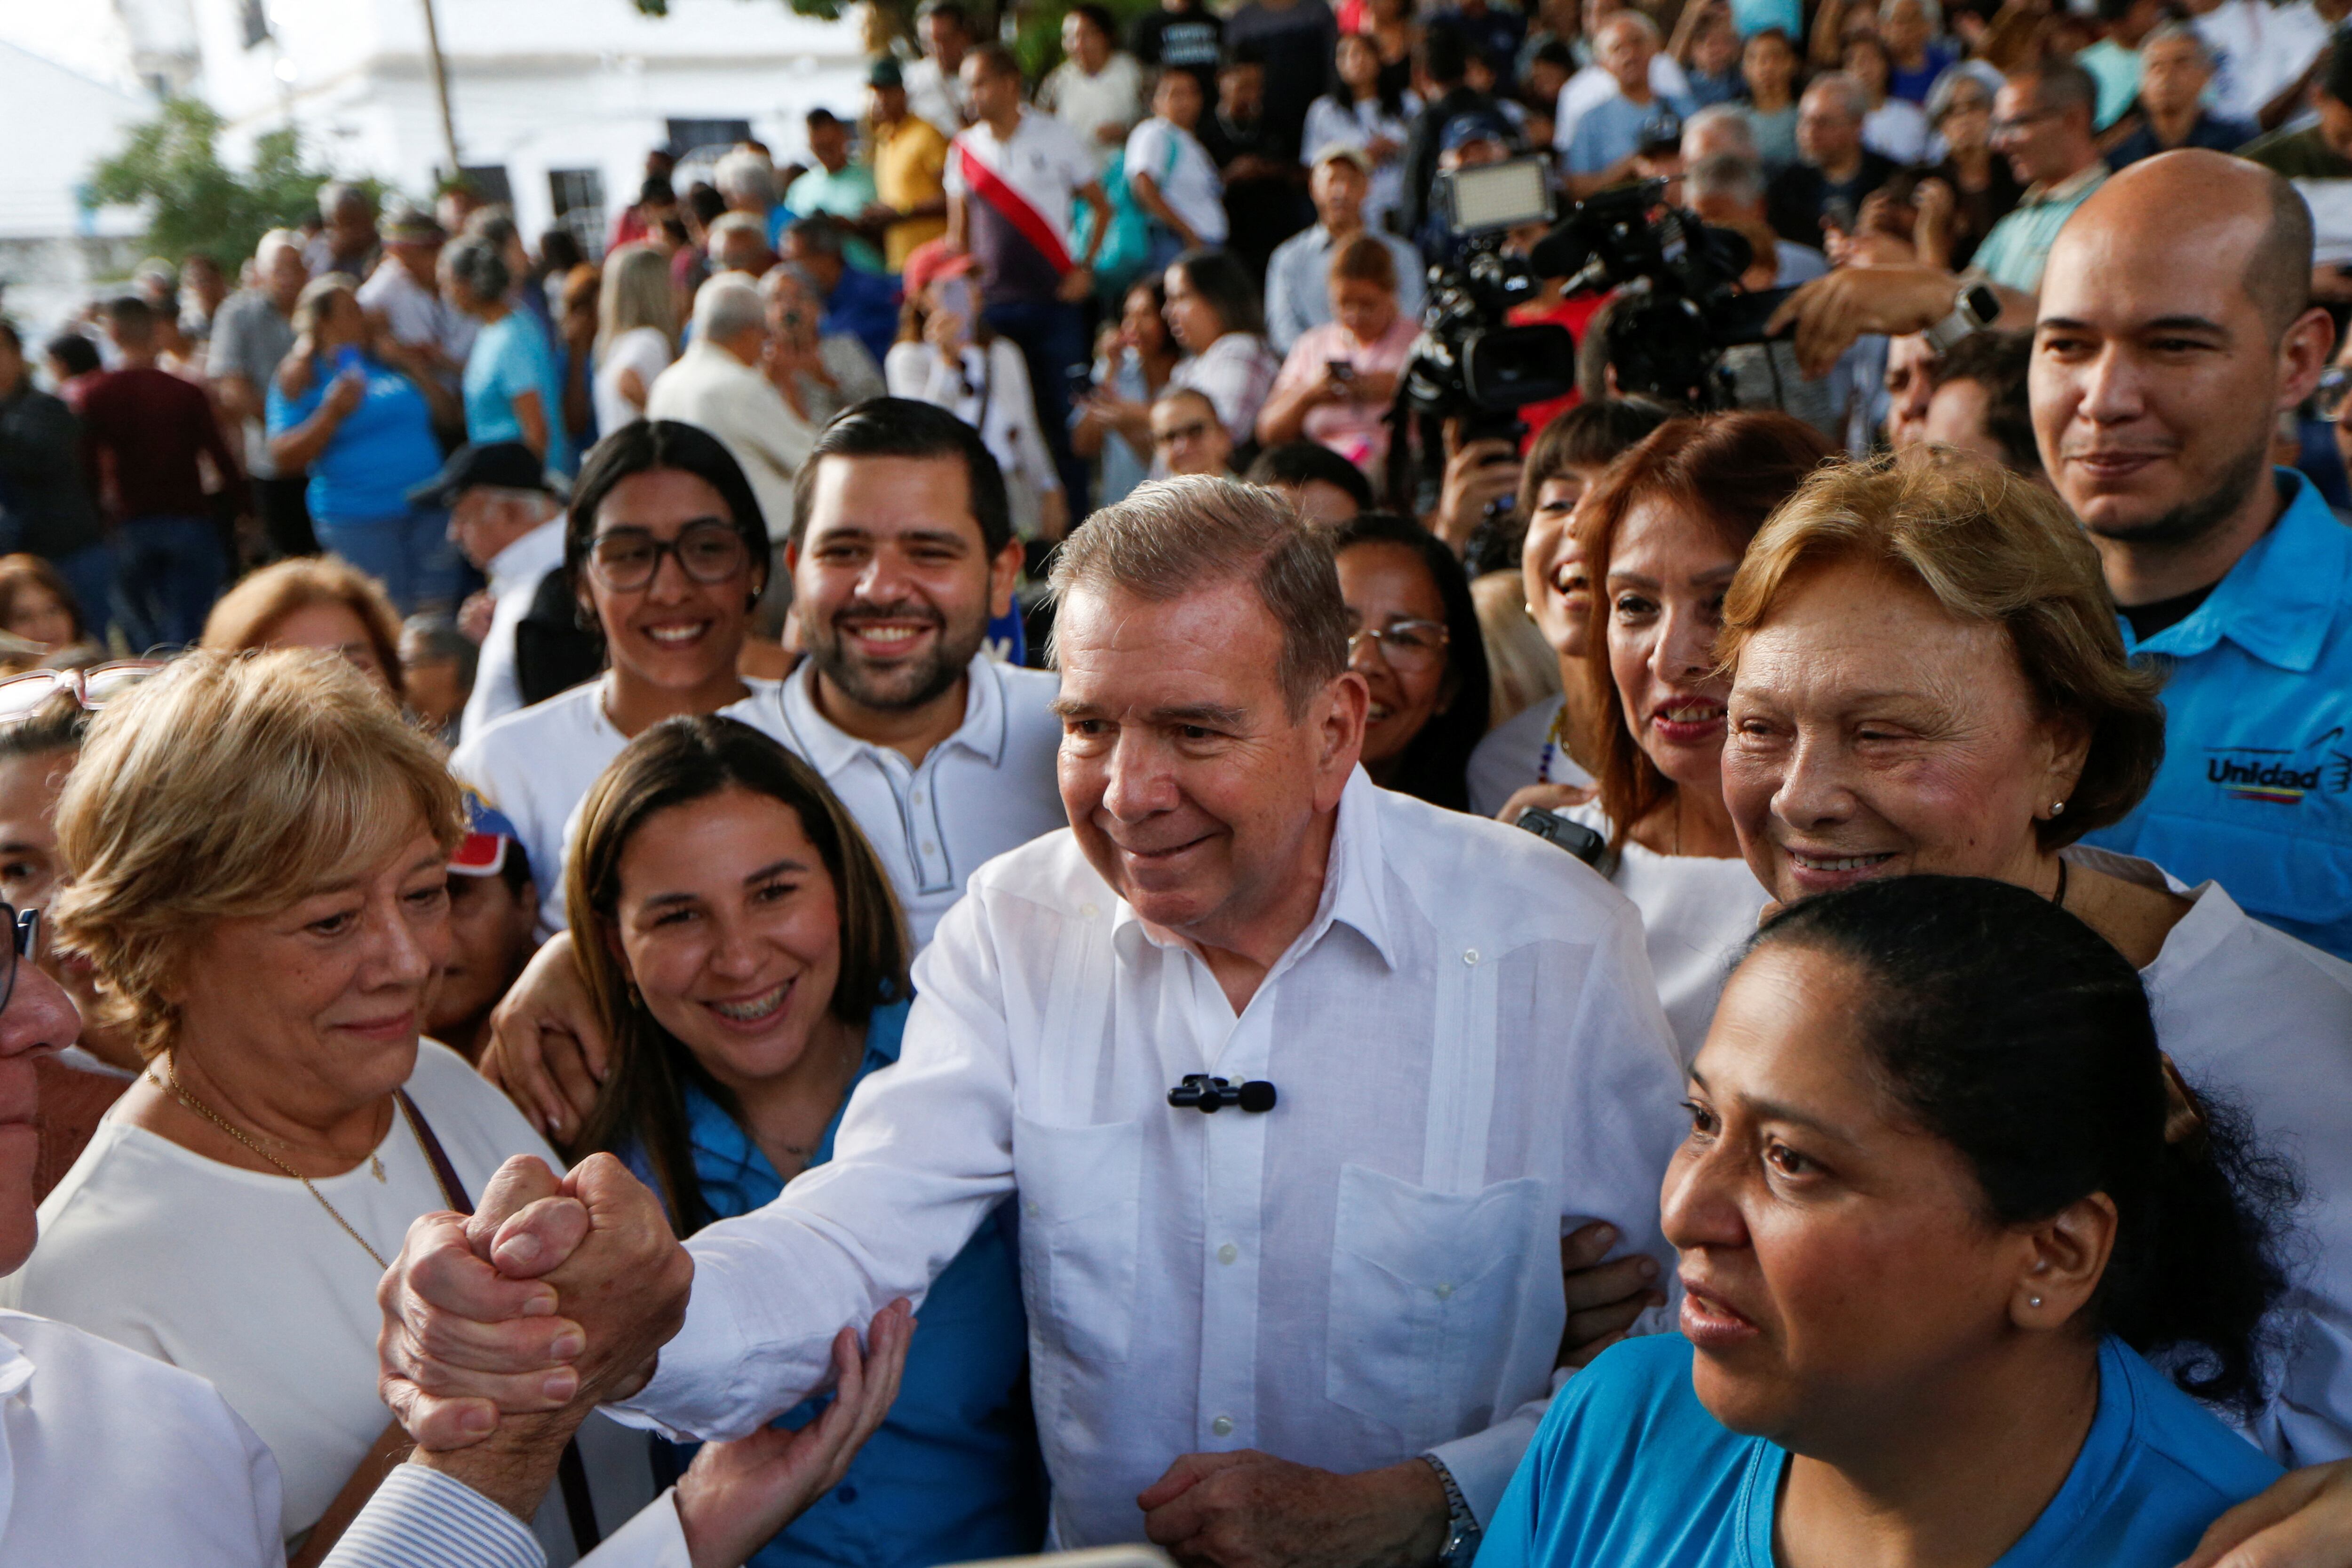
1470,1057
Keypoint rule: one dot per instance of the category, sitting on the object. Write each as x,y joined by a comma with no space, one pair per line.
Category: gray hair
1720,117
1732,176
2170,32
1933,12
727,224
726,305
265,252
1947,87
475,263
745,174
1171,537
1634,18
1845,89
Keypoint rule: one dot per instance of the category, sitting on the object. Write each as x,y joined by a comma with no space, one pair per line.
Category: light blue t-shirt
1616,128
2255,790
383,449
1630,1468
510,356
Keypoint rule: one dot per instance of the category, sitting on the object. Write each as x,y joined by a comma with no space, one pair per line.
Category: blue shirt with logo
2255,792
954,1472
1630,1468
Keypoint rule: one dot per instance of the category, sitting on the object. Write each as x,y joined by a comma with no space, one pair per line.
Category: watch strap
1463,1530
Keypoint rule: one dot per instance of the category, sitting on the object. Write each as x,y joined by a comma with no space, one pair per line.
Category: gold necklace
172,1068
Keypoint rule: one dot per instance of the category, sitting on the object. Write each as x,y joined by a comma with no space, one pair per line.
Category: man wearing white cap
1298,278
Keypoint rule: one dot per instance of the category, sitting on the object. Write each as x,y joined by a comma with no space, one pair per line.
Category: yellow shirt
910,161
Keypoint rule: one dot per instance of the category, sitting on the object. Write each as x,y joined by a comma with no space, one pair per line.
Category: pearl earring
2032,1300
2058,809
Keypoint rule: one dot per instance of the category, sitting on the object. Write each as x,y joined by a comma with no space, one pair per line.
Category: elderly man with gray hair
1835,171
720,384
1317,1326
746,179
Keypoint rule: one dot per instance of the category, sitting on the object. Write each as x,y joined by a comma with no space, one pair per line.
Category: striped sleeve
420,1518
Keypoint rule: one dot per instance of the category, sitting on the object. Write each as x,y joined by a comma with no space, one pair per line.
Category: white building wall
535,85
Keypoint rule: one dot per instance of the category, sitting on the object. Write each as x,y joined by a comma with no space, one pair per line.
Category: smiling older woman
1926,676
260,849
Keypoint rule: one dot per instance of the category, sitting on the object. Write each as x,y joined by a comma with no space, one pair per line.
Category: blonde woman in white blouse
260,849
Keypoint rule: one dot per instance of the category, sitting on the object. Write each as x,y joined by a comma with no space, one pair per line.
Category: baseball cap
934,259
500,465
885,72
489,839
1347,151
1477,125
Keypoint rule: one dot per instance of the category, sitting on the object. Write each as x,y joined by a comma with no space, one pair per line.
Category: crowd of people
896,876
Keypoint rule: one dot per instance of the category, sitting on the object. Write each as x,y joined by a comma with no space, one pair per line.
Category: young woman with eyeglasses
1415,638
669,553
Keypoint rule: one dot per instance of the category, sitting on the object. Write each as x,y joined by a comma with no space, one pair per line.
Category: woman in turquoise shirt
749,962
346,407
513,392
1940,1197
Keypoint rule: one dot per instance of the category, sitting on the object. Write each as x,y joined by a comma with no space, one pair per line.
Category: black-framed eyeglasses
93,688
25,926
709,551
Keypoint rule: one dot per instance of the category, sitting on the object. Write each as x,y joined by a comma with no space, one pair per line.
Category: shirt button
845,1493
1228,1252
1470,956
1030,1209
1444,1292
1222,1425
930,848
919,796
1088,910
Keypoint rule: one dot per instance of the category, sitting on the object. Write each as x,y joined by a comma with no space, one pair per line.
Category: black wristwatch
1977,307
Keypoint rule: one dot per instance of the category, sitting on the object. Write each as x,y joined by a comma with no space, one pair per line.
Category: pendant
376,1168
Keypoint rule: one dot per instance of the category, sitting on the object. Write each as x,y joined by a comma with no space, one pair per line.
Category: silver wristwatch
1976,309
1463,1530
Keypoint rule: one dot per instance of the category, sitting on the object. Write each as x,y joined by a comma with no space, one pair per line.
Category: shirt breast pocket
1081,1217
1426,1291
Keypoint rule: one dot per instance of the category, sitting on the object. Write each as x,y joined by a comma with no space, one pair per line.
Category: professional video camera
1676,306
1676,309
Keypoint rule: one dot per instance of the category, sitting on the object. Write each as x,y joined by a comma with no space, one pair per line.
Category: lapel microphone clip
1209,1095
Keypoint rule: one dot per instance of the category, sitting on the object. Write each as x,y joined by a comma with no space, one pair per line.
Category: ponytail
2023,1038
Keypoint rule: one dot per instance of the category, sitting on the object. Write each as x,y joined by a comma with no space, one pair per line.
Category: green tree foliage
170,167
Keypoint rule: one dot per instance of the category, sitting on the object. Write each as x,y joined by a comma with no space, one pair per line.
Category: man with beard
2176,326
901,549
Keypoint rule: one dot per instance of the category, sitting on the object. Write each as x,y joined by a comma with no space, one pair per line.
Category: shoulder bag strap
570,1471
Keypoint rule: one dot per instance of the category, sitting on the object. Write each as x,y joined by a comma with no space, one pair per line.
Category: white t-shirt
1516,753
1179,166
245,1279
108,1456
515,574
2259,51
1088,103
1695,912
989,392
644,350
1897,130
536,766
2265,1023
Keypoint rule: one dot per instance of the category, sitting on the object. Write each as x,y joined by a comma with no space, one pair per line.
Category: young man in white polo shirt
901,549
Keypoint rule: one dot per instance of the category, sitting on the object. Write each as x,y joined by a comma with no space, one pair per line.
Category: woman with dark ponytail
1943,1213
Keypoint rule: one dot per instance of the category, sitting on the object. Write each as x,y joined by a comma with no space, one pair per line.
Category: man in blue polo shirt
2175,326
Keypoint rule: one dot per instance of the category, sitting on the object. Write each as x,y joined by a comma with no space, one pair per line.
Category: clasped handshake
505,1329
